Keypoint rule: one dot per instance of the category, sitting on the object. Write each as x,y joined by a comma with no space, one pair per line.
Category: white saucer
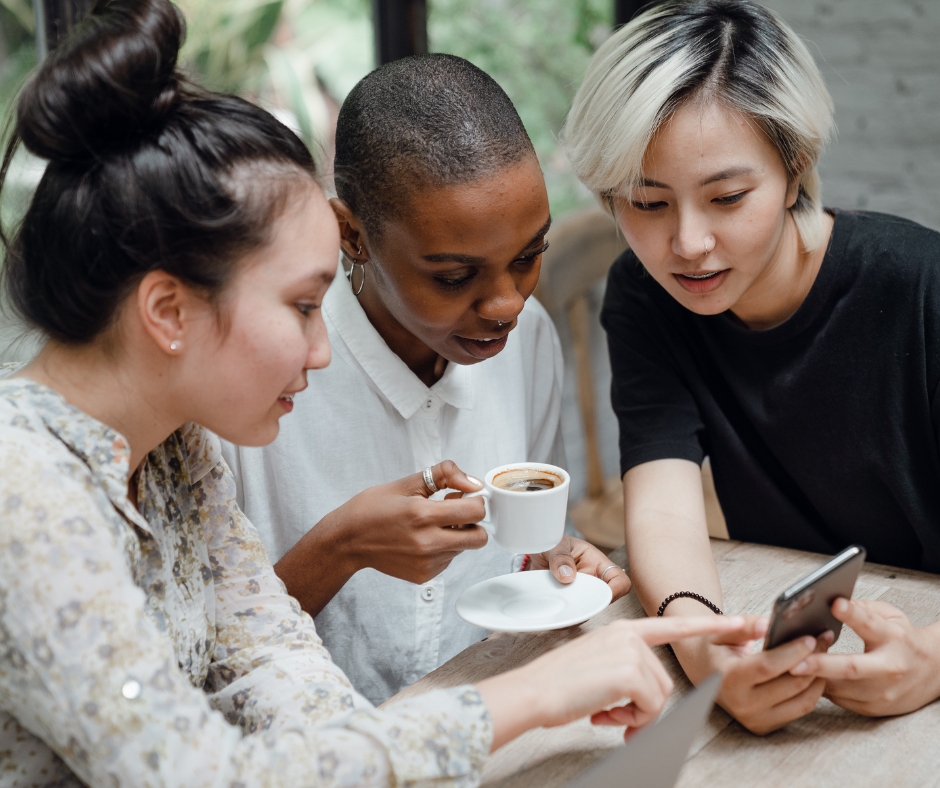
532,601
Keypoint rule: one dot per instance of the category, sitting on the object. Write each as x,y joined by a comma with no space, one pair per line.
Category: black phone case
805,608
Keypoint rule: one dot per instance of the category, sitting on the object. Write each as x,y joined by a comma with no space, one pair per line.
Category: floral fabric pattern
157,647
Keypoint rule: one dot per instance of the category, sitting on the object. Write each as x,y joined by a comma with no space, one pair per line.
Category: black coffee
526,480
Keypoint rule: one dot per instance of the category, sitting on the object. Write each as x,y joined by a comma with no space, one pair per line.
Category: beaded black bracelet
689,595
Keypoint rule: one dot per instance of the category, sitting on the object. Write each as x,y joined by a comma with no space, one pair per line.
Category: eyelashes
455,284
459,282
731,199
532,255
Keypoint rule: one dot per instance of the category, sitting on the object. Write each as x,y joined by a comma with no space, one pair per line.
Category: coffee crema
526,480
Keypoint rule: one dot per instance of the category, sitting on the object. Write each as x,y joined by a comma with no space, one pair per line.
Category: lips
702,281
482,348
287,398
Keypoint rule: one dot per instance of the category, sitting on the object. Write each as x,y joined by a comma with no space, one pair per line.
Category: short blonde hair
728,51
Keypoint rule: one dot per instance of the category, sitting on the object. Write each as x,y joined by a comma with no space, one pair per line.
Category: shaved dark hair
433,120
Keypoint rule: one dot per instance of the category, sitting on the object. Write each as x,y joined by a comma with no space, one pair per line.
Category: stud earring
174,345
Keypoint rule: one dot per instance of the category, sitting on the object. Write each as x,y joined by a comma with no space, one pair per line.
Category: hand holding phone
805,608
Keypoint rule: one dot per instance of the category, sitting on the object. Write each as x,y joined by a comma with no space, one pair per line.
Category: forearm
669,554
318,566
668,546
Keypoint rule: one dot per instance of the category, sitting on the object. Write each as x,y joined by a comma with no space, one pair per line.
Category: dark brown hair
145,171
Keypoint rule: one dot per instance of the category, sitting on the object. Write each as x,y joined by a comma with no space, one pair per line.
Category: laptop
654,757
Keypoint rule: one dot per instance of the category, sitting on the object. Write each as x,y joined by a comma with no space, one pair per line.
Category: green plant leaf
23,12
265,23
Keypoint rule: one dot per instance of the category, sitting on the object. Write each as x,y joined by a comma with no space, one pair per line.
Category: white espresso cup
523,520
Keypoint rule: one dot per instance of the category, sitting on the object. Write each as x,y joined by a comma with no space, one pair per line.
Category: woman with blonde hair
798,347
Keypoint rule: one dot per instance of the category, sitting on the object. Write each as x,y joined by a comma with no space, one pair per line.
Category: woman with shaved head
439,353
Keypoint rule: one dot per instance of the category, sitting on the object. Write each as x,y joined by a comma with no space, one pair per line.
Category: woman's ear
352,235
164,307
800,164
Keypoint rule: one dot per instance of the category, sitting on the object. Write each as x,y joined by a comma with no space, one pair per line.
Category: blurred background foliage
299,58
538,51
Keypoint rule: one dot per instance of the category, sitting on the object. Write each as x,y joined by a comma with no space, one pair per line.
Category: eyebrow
323,278
731,172
469,259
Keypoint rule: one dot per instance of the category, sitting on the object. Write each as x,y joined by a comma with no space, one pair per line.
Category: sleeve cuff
660,451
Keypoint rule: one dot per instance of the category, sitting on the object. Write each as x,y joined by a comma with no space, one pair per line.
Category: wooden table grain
830,747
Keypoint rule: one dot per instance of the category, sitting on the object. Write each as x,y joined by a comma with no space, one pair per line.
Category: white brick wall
881,62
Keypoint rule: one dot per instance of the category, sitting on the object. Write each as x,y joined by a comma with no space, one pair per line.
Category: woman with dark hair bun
175,254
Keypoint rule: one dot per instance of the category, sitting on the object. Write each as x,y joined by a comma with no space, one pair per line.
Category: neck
108,390
786,281
419,358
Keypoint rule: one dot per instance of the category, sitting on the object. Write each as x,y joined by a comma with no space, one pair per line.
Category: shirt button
131,689
428,593
153,603
428,405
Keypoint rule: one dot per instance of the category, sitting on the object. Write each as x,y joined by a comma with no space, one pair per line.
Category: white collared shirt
367,419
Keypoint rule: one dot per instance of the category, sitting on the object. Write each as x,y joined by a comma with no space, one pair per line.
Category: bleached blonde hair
732,52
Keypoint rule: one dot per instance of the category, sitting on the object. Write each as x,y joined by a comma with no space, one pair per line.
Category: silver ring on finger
612,566
429,481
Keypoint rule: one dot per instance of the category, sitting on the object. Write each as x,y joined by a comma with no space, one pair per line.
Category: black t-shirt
822,431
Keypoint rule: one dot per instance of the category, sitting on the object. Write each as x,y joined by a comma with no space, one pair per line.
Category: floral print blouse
157,647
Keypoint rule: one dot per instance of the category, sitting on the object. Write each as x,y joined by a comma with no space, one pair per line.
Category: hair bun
107,85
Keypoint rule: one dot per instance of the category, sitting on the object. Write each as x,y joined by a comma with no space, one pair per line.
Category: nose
691,236
504,302
318,344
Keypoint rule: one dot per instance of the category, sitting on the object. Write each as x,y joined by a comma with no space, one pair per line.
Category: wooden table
830,747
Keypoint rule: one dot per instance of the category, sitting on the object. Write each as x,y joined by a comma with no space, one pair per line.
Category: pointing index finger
659,631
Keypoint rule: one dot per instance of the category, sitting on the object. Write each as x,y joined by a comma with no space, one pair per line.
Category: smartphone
805,608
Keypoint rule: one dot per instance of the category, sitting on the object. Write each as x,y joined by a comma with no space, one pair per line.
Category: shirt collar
391,376
105,451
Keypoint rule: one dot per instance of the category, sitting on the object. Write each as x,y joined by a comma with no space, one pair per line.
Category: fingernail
760,628
736,621
473,480
809,641
828,637
565,571
800,669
